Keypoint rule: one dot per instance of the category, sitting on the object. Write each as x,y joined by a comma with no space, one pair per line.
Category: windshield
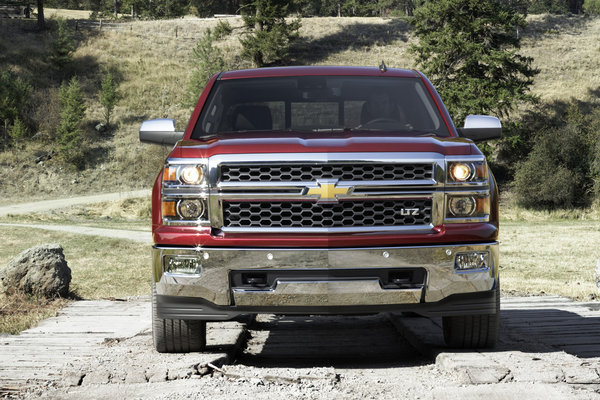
320,104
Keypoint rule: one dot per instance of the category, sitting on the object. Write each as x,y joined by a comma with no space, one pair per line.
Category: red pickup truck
323,190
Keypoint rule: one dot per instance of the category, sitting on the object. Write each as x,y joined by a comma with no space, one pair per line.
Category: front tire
177,335
472,331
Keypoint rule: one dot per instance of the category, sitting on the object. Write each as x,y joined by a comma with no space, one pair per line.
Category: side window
212,116
430,120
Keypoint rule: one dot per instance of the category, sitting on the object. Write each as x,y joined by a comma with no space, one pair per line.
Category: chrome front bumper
214,285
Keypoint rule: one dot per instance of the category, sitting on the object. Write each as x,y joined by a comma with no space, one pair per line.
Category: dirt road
316,357
46,205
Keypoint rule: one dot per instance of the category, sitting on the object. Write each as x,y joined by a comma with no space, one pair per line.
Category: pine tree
208,60
109,96
268,36
14,95
468,48
63,45
69,131
18,131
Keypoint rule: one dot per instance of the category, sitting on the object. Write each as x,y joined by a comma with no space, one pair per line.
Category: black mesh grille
306,214
343,172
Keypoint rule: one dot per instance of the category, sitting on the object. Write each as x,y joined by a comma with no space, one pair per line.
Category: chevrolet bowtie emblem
328,191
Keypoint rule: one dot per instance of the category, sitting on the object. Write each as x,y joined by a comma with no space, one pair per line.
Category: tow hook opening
257,280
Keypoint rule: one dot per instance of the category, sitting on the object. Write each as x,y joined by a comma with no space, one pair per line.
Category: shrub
592,7
549,6
563,168
554,175
222,30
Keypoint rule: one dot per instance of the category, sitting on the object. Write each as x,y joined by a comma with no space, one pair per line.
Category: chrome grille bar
270,192
310,172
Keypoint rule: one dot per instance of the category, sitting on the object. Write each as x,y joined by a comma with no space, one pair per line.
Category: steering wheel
380,121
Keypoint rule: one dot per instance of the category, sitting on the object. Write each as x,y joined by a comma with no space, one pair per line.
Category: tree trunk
40,18
5,142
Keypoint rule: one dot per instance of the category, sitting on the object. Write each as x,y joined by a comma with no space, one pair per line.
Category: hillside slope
153,60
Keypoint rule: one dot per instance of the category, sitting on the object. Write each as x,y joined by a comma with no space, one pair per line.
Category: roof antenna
382,66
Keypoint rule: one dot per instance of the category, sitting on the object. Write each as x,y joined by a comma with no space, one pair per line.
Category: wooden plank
559,323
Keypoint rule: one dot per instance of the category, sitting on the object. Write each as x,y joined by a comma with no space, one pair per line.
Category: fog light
461,206
190,209
474,260
187,265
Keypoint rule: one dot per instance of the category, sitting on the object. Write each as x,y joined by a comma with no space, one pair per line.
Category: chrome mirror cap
159,131
481,127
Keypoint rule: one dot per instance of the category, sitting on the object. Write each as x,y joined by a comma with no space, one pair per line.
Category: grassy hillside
154,68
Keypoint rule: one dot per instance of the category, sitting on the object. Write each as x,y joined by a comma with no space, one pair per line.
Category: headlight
467,172
461,172
185,192
184,175
192,175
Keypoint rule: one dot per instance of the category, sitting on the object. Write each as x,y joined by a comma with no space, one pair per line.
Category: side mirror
159,131
481,127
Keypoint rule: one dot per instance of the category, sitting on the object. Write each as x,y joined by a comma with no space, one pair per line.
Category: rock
43,157
99,377
40,270
101,127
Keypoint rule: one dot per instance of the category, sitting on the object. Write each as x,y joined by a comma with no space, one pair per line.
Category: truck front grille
309,214
340,171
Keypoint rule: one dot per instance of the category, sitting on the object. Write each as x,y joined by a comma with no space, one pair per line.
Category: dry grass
64,13
567,53
511,212
550,258
100,267
19,312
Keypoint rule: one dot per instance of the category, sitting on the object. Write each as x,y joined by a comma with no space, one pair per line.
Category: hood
256,143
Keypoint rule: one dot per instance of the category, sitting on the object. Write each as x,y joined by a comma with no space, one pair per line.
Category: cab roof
317,70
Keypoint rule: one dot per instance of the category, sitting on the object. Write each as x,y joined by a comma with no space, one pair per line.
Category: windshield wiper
332,130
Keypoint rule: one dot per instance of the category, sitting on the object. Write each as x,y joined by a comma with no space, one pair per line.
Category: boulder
40,270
